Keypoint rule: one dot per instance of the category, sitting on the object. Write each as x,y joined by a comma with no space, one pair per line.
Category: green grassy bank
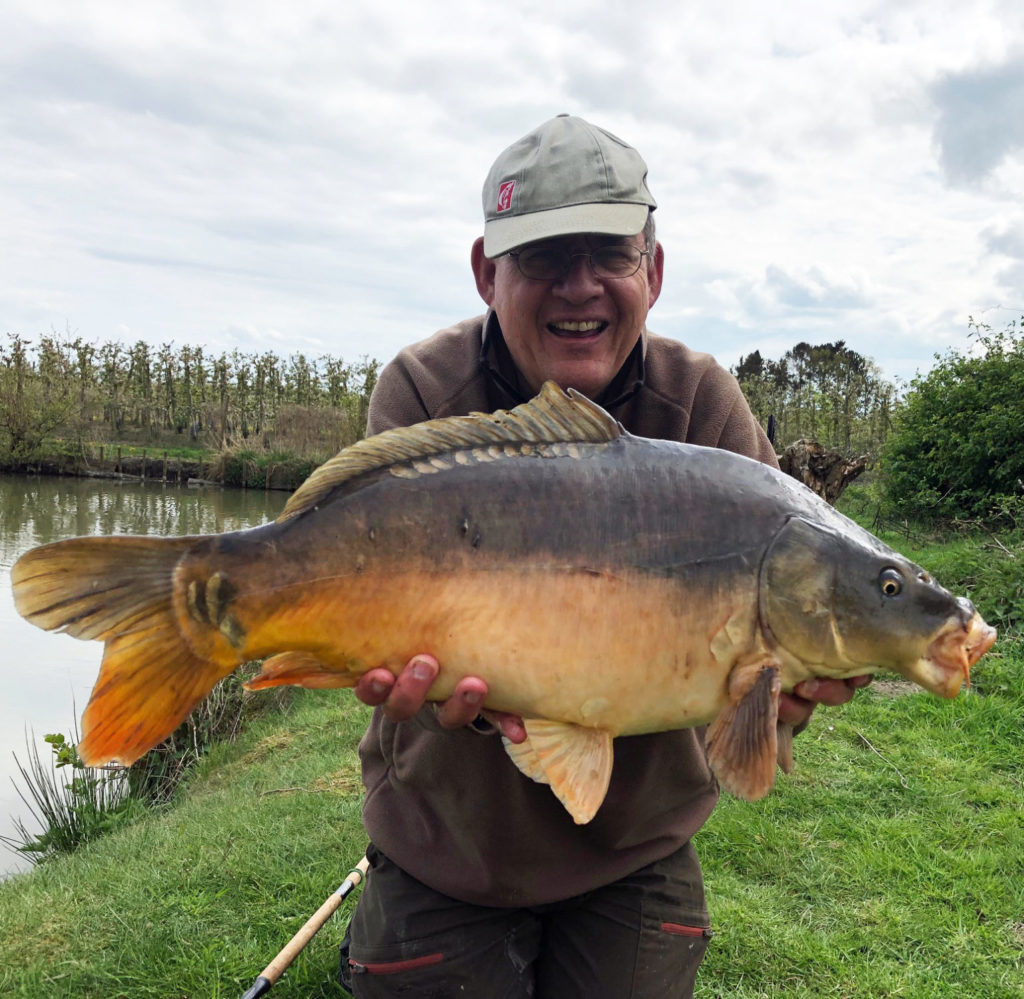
195,900
888,864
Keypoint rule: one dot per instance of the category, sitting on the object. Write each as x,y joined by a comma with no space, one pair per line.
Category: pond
46,678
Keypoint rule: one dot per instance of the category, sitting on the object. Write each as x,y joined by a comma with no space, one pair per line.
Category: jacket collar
495,361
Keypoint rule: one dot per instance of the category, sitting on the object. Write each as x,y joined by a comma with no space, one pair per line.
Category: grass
195,900
887,865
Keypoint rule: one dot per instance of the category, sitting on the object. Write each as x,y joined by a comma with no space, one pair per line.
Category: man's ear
483,271
655,273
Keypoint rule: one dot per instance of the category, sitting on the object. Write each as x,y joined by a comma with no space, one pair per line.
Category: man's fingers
403,696
510,726
374,686
824,691
794,710
411,687
464,704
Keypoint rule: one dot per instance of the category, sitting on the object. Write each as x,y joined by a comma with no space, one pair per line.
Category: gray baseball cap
565,177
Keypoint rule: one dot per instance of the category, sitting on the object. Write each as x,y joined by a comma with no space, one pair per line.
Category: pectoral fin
575,761
742,742
299,669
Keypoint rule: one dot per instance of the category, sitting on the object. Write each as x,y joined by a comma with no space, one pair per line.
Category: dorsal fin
553,416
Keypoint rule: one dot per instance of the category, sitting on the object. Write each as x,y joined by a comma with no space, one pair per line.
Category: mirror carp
602,584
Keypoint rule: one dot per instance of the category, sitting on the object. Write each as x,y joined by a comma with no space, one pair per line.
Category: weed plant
71,812
73,803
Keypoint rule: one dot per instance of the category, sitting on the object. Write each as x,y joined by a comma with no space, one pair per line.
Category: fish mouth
947,663
577,329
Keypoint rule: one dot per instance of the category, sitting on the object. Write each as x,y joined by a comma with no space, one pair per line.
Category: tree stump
825,471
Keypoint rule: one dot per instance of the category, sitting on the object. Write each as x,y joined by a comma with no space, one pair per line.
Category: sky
306,176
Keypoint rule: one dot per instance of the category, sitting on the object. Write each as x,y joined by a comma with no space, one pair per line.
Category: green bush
957,450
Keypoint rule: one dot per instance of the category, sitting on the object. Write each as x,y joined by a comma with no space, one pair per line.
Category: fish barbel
602,584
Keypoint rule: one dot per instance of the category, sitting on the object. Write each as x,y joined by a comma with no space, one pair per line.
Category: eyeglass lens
547,262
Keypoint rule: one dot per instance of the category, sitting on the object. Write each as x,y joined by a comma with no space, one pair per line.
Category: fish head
843,603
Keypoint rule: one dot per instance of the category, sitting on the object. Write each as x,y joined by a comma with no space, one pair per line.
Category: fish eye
890,582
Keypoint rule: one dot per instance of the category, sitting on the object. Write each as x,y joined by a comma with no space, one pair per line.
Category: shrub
958,449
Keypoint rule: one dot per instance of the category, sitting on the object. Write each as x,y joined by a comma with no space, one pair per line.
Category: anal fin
742,742
299,669
575,761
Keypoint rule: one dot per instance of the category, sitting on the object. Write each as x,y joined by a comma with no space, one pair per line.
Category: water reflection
45,677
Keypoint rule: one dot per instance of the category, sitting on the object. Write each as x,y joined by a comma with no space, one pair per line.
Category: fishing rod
273,971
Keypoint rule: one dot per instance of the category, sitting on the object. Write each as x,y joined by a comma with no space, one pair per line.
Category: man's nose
580,282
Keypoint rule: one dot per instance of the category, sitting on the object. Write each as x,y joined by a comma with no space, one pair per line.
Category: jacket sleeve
724,418
744,435
395,400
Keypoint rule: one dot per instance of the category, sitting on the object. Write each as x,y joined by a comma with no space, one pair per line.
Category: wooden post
101,454
119,459
165,467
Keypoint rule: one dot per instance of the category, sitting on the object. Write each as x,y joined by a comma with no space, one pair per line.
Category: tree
825,392
957,449
32,402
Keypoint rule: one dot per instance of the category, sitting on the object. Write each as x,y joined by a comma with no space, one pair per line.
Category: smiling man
481,885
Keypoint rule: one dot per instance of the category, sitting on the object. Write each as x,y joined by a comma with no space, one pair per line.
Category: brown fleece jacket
449,807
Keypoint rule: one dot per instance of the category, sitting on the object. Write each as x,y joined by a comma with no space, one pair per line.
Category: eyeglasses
548,263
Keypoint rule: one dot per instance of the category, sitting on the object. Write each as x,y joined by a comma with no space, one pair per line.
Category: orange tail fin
120,591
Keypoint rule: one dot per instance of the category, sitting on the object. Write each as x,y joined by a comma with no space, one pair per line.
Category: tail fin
120,591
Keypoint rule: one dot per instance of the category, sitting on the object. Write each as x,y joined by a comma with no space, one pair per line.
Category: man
481,885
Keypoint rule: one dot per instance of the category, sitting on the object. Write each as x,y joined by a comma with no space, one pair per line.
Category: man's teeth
584,327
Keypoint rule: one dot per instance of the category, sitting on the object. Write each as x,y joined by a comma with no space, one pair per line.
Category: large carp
602,584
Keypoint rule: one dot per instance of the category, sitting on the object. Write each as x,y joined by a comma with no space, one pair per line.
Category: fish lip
951,655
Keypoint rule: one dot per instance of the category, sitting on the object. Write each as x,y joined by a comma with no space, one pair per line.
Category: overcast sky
306,176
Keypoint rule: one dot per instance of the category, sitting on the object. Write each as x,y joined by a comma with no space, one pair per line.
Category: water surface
45,678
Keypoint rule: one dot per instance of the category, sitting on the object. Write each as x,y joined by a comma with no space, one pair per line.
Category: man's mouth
571,328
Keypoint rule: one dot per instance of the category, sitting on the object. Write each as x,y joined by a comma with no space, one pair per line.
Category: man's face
577,329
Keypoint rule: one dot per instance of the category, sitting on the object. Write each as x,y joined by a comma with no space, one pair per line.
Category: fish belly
627,653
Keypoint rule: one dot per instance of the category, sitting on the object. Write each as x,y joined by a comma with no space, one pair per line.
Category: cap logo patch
505,195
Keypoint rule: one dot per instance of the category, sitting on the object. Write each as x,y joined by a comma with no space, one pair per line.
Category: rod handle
291,950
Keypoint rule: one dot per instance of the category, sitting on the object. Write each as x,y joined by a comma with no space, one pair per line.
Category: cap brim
504,234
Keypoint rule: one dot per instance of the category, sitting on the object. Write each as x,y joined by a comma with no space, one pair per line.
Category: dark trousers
639,938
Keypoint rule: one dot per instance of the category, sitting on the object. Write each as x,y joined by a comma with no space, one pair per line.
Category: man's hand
401,697
796,708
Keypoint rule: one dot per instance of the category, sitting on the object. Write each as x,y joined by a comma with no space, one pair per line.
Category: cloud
980,119
311,172
1006,238
812,289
